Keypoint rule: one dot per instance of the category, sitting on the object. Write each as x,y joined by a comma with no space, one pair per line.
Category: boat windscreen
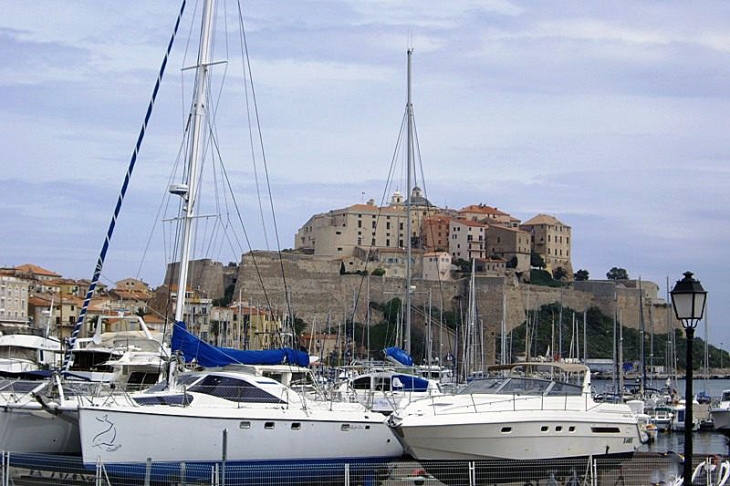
233,390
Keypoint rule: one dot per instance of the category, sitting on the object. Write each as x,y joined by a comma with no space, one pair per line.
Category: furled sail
209,356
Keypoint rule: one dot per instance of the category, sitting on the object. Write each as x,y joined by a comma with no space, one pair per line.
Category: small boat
387,388
721,414
661,417
384,391
24,352
678,418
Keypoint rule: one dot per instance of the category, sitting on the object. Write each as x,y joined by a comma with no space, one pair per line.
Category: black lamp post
688,301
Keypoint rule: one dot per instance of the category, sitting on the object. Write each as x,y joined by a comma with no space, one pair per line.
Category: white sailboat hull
124,435
30,428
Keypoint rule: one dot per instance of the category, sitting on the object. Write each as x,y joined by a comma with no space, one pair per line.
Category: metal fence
641,469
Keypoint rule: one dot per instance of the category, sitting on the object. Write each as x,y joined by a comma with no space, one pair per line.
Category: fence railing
641,469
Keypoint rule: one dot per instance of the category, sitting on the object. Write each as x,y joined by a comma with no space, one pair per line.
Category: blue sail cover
410,383
398,355
209,356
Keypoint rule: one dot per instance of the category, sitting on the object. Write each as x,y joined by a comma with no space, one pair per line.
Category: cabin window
605,430
506,430
296,426
244,425
559,428
269,425
571,428
234,390
177,399
345,427
544,428
361,383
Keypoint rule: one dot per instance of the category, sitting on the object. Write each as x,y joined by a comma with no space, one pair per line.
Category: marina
212,394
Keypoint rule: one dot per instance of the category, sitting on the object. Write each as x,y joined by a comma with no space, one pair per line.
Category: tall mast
409,194
189,191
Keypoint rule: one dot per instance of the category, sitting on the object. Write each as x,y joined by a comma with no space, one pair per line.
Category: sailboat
220,417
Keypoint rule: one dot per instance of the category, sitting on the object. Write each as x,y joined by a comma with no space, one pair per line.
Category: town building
511,245
339,232
467,239
550,239
437,266
435,231
13,301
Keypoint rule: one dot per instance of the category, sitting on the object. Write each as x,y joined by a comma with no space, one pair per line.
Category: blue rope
117,209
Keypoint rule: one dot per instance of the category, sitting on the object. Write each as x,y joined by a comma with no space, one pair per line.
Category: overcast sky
611,116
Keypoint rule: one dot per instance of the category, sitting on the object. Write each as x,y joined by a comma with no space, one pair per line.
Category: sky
610,116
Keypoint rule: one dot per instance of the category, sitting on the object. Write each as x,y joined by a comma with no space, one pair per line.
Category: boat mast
409,195
189,191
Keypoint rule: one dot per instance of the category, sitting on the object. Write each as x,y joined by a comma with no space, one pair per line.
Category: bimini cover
209,356
401,382
398,356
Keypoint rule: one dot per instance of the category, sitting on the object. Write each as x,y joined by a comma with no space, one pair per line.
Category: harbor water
705,442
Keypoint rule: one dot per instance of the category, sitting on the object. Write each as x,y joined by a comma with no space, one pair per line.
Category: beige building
339,232
132,285
437,266
13,300
467,239
509,243
490,266
551,240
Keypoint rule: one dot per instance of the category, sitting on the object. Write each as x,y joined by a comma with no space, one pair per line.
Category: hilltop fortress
320,294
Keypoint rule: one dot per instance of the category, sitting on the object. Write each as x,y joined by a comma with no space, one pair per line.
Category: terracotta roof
543,219
36,270
483,209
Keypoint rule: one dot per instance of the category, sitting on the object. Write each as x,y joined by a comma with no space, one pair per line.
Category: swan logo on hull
105,439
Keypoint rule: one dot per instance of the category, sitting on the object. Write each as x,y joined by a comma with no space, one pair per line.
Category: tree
580,275
559,273
536,260
617,274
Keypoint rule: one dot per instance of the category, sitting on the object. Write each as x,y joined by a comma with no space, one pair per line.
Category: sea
703,442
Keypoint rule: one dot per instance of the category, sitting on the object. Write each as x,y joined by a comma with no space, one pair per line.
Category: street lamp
688,301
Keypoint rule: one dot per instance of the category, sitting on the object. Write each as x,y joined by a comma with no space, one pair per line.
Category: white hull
721,419
515,416
544,435
122,435
29,428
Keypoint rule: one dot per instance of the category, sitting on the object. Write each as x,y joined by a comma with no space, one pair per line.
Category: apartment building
437,266
467,239
509,243
435,231
550,239
13,300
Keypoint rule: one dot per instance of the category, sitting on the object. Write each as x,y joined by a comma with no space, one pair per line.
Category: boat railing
511,403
